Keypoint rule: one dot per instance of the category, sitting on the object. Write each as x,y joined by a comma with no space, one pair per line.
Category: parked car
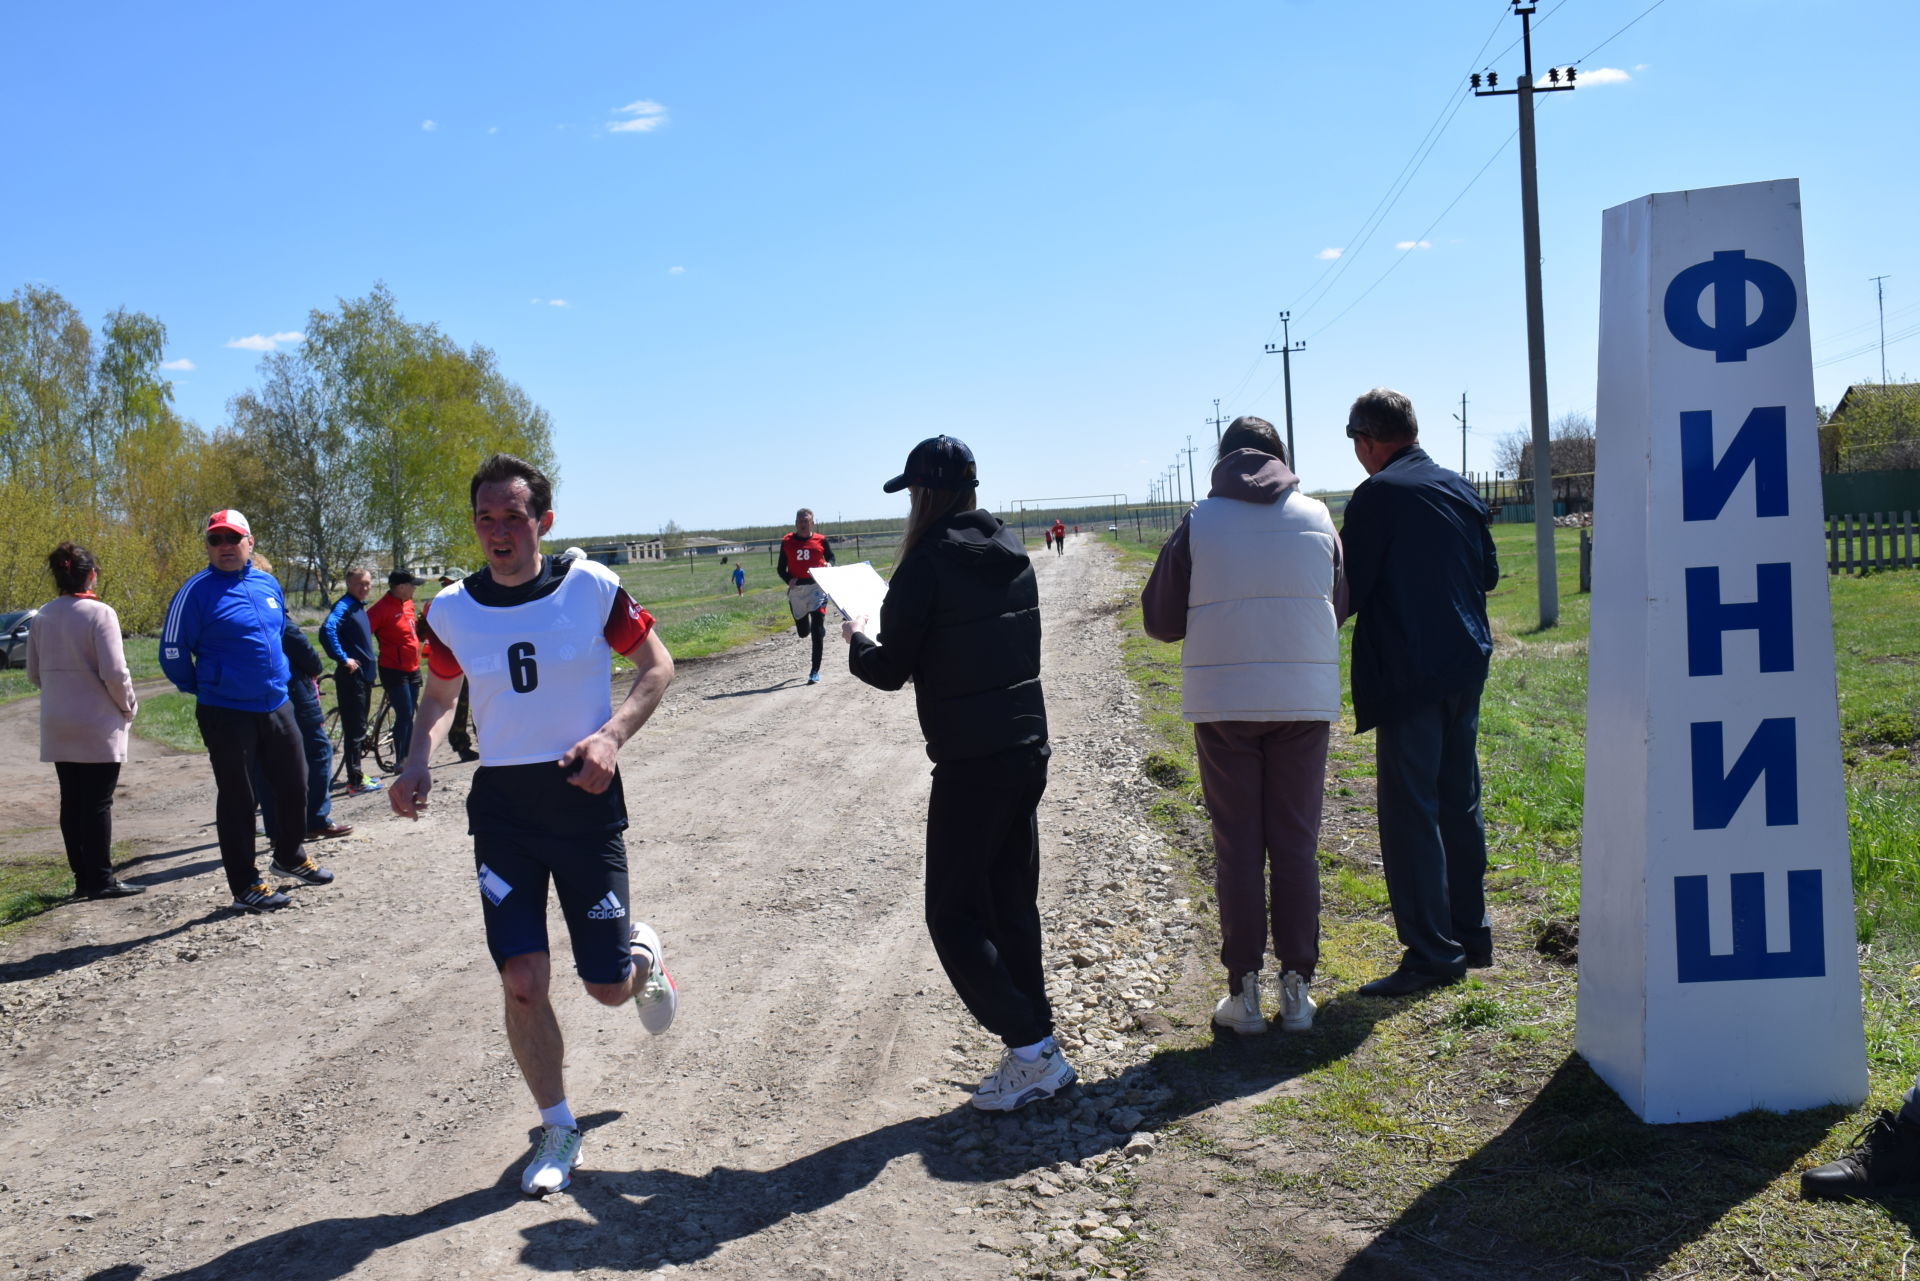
13,636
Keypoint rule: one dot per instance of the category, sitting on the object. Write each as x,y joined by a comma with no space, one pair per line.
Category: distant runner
802,552
739,580
1059,537
534,636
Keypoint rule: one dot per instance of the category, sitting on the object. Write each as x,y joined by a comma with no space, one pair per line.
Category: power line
1616,35
1395,189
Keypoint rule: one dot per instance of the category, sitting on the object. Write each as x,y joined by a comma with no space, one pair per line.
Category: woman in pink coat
86,703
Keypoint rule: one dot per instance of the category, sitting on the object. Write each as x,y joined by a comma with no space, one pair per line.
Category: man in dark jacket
221,643
1420,562
303,691
962,619
348,639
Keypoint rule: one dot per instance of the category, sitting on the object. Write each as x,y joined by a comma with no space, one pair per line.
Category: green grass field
1464,1120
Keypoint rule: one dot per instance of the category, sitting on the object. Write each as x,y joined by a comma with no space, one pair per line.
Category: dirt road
188,1092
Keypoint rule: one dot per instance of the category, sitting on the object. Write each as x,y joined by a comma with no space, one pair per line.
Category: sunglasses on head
223,538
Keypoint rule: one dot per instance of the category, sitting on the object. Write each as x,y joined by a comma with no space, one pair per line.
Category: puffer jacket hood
981,541
1252,477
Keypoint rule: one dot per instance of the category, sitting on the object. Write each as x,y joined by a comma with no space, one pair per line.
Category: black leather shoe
1884,1161
1479,960
331,829
1406,983
468,754
117,889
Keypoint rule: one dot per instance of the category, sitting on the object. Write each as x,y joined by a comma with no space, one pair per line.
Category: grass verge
1461,1123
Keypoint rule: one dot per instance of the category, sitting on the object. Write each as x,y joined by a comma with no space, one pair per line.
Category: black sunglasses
225,538
1352,434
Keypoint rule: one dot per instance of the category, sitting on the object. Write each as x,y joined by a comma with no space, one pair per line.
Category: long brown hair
930,507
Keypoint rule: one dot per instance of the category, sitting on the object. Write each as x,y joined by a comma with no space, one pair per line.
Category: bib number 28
521,669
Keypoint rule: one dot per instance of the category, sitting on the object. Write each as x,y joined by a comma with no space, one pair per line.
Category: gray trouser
1433,844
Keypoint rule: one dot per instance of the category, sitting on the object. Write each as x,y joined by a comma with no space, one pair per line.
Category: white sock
1028,1053
559,1114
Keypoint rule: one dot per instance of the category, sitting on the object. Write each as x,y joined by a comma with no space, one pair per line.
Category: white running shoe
551,1169
1296,1007
658,999
1241,1010
1017,1082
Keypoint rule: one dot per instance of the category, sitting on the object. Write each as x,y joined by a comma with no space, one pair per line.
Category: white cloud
1328,255
493,128
676,271
429,125
1643,66
265,342
1413,244
1603,76
182,365
643,116
556,302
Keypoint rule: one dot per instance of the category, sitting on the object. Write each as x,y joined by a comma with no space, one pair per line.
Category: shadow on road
646,1217
73,958
743,693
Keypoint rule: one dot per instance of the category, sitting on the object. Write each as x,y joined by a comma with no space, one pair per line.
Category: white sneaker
1296,1007
551,1169
1017,1082
658,999
1241,1010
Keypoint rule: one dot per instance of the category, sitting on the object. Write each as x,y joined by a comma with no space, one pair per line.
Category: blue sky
747,253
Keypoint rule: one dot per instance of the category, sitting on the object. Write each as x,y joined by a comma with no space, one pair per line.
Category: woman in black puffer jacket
962,620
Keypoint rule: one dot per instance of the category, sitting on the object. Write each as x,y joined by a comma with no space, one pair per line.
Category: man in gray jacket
1252,582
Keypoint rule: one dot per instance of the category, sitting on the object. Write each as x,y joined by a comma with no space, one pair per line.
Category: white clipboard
855,590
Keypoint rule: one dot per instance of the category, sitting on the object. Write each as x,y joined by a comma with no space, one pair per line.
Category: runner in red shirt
802,552
1059,537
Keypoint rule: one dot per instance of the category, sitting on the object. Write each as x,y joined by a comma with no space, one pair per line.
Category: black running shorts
589,874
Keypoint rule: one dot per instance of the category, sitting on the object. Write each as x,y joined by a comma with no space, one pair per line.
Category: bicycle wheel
334,740
382,739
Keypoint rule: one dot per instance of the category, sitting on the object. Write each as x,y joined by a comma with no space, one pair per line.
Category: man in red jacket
391,618
802,552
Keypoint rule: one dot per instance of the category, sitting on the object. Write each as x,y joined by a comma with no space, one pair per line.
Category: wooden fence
1856,544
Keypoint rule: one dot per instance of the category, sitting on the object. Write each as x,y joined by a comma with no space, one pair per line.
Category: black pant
353,694
460,737
983,886
86,820
1433,843
815,625
234,740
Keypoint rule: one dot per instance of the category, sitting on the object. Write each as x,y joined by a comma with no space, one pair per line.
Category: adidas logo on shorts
607,909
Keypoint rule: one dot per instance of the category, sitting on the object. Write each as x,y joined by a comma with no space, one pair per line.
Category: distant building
695,546
626,551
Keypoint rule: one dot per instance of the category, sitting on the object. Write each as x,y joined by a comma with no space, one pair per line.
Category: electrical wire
1322,285
1867,348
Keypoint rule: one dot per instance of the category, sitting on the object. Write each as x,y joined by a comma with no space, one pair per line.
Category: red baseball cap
228,518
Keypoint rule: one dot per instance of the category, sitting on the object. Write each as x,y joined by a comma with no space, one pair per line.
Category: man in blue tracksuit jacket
221,643
348,639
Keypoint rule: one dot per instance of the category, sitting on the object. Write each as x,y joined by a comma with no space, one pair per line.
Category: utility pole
1217,421
1173,473
1285,350
1536,324
1462,418
1193,490
1880,295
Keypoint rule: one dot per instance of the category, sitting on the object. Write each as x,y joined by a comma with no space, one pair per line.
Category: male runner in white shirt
534,636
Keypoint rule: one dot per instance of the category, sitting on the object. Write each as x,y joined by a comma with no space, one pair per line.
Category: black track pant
983,882
234,740
814,625
354,694
86,820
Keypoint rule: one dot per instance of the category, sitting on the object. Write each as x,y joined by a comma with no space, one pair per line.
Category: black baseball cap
939,462
399,577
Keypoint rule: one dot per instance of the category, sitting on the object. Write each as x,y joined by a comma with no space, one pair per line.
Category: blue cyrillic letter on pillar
1718,791
1709,619
1760,444
1806,954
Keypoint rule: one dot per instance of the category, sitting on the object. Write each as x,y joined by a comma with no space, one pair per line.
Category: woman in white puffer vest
1252,582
